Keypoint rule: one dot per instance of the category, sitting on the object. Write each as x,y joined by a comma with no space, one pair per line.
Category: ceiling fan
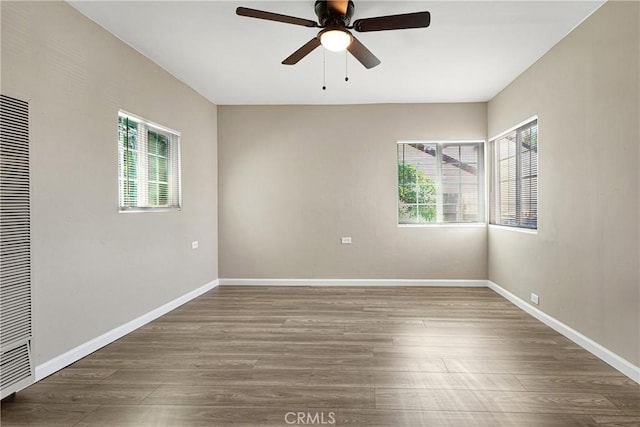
334,17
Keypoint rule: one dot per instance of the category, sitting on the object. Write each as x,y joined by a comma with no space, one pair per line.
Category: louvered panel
10,271
15,366
15,247
8,244
15,204
15,256
15,237
9,221
18,265
16,233
16,299
16,334
14,279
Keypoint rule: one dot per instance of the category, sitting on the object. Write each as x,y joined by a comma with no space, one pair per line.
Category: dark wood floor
365,356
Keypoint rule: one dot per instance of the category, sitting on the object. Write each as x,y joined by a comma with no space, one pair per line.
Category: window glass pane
407,213
407,193
439,182
130,165
131,192
153,168
153,142
427,213
516,191
127,160
127,132
163,194
148,165
163,145
163,170
153,194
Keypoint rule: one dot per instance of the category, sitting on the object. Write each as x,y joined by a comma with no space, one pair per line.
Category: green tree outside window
416,193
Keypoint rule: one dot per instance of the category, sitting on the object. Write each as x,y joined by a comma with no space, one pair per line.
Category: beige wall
93,268
294,179
584,261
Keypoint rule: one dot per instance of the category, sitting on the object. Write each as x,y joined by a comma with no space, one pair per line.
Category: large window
440,182
148,165
515,177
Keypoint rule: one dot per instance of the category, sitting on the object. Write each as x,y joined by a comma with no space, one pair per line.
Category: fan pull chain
346,66
324,69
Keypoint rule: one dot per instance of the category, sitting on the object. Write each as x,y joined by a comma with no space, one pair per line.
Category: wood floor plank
629,402
617,420
351,378
84,394
477,352
184,361
271,336
80,375
533,367
353,363
193,415
412,418
592,383
43,414
481,341
118,415
212,377
493,401
250,349
446,381
261,396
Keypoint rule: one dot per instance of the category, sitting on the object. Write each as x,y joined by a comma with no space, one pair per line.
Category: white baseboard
624,366
77,353
354,282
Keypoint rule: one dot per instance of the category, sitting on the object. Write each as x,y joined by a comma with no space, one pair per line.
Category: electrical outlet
345,240
194,244
535,298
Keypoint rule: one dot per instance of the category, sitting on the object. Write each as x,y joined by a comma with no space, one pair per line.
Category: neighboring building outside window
440,182
515,177
148,165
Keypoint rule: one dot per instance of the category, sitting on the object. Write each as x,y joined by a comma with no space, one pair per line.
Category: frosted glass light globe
335,40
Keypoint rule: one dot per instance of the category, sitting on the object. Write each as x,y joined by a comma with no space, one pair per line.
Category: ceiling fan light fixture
335,40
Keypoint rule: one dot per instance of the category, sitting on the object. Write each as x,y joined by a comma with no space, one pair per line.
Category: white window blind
516,177
148,165
440,182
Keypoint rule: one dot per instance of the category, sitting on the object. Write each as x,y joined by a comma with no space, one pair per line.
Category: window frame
482,188
174,137
495,178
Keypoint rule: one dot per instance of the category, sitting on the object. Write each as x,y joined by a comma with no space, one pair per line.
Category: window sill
445,224
143,210
515,229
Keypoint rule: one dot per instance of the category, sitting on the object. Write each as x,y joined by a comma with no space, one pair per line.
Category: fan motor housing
331,18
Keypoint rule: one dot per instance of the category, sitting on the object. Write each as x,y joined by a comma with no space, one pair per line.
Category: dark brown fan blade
362,54
340,6
305,50
393,22
270,16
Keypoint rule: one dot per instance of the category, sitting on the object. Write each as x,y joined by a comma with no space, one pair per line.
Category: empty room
350,213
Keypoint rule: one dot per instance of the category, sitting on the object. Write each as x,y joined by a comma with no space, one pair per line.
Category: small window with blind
148,165
440,182
515,177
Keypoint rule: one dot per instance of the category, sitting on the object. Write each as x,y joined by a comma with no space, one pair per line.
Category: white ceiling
471,51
